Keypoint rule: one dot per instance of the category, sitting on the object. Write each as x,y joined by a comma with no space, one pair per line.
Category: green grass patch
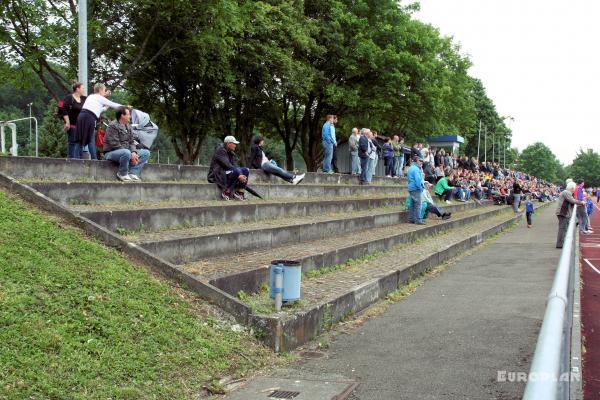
79,321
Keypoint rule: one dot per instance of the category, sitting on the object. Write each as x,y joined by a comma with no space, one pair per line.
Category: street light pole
83,56
485,142
30,104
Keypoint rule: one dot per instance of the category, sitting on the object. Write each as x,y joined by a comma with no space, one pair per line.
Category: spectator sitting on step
429,206
120,147
442,189
226,173
259,160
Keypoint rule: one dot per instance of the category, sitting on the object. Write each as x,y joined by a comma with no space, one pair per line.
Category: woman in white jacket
94,105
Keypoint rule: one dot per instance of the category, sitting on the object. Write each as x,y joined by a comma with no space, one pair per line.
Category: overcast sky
539,61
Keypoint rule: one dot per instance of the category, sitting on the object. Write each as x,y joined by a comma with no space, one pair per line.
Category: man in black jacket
226,173
365,148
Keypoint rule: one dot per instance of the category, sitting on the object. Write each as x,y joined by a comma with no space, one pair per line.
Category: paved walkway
450,339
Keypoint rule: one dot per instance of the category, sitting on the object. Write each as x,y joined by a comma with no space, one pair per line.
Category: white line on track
591,265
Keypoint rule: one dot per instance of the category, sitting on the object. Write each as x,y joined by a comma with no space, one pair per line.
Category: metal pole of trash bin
278,271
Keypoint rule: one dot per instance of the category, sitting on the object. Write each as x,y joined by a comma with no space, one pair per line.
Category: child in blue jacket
528,211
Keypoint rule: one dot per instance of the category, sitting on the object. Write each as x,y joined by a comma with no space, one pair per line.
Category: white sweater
97,103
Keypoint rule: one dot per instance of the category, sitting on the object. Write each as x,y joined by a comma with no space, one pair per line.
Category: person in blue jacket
329,142
415,189
528,211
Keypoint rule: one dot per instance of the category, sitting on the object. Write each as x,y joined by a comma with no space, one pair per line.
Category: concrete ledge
168,218
67,169
189,249
71,193
243,281
299,328
239,310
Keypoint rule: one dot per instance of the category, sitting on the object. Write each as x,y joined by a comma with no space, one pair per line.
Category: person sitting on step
429,205
259,160
442,189
226,173
120,147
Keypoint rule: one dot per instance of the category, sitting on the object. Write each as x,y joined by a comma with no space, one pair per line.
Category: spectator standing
415,189
94,105
69,109
334,154
579,194
517,192
226,173
259,160
388,157
564,208
328,139
353,146
120,147
364,153
373,156
398,146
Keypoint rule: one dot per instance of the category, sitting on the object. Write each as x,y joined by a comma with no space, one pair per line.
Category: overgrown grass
79,321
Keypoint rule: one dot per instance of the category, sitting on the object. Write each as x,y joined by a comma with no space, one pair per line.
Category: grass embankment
79,321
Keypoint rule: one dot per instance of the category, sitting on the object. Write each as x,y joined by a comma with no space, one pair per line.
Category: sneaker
448,202
225,195
239,196
419,223
134,177
297,179
124,178
329,172
446,215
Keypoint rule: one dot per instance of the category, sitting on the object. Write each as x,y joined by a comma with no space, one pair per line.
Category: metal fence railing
549,377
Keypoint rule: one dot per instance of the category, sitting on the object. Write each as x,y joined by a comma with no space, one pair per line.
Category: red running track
590,308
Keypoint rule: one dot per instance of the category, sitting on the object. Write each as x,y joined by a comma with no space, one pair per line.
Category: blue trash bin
292,279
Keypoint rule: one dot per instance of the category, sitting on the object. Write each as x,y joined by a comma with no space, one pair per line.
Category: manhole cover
280,394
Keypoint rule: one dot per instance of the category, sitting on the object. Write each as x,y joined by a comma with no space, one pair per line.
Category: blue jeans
364,166
123,158
233,182
399,165
328,156
414,213
275,170
356,168
72,145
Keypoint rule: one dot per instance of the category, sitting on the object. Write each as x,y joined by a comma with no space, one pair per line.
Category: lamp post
83,56
485,143
510,120
29,105
478,140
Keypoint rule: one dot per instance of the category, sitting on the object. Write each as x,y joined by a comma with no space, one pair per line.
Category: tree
538,160
52,136
586,166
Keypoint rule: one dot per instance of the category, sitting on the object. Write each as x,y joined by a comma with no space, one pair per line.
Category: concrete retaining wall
66,169
72,193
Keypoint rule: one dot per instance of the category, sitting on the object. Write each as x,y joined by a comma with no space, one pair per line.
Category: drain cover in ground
279,388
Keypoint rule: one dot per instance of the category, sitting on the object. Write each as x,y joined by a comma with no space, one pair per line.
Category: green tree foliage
538,160
52,136
586,166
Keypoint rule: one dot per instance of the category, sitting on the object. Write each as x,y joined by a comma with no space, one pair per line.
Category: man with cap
226,173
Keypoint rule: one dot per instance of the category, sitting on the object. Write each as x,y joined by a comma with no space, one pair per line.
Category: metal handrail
547,376
37,153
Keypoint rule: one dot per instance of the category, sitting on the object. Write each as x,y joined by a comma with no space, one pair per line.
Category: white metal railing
549,376
6,123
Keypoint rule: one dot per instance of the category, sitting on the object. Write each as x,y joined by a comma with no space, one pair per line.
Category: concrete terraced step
187,245
71,193
169,215
331,297
73,170
248,270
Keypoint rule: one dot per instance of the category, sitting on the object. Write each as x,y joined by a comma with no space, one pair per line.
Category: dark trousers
528,215
433,210
364,162
563,224
72,145
389,166
447,195
86,132
233,182
334,160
